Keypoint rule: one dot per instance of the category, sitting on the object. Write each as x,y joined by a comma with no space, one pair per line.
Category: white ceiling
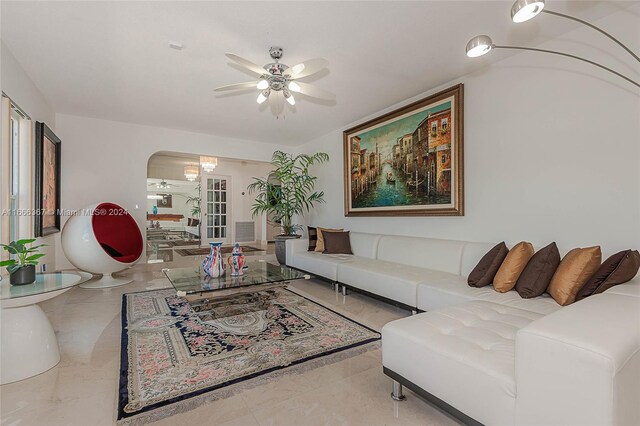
111,60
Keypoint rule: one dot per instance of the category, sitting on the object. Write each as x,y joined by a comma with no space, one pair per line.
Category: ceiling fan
161,185
277,81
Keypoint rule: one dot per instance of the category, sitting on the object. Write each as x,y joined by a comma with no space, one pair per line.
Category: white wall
107,160
15,82
551,147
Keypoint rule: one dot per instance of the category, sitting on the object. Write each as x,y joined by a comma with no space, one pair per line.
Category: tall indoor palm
287,191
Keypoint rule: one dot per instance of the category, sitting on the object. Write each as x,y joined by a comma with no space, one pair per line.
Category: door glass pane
209,208
209,232
223,220
216,184
223,208
217,208
224,197
217,220
223,184
216,197
216,232
223,232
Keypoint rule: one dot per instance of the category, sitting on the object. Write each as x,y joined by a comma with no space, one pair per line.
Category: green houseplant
195,204
287,191
22,269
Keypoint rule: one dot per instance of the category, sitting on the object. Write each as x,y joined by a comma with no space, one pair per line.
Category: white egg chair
103,239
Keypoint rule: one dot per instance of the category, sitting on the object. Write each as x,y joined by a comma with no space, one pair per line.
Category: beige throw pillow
573,272
512,267
320,242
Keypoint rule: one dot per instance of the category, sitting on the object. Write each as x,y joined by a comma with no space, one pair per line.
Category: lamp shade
523,10
478,46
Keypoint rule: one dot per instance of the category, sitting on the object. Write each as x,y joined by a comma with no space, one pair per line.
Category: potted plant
288,191
194,220
22,270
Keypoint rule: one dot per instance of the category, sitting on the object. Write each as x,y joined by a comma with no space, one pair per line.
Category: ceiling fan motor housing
276,52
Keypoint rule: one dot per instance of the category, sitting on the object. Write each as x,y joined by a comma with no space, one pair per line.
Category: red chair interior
117,232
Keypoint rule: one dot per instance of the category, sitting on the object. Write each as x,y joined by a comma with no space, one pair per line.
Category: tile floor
82,389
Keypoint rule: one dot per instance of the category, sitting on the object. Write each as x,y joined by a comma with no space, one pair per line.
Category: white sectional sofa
489,357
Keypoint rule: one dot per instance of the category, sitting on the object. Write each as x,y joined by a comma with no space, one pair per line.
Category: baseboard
432,399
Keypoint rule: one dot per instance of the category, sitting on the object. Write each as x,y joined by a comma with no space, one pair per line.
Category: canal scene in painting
406,162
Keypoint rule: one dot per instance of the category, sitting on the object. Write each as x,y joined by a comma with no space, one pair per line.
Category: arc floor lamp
524,10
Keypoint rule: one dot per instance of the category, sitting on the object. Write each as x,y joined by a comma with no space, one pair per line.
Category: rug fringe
228,391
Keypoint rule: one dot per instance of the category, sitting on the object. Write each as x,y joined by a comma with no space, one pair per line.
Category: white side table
28,342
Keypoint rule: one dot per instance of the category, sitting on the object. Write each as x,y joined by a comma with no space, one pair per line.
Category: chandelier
208,163
191,172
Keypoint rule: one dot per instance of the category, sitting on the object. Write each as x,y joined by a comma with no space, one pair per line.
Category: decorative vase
155,209
236,261
23,275
213,264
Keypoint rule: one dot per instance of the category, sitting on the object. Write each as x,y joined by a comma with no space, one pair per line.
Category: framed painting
408,162
47,184
166,202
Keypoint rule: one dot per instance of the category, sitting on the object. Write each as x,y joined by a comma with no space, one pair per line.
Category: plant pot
24,275
281,247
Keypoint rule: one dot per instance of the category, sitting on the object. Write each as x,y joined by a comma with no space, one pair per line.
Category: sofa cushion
462,354
324,265
440,293
574,271
388,279
617,269
486,269
512,267
429,253
535,278
313,237
320,241
337,243
363,244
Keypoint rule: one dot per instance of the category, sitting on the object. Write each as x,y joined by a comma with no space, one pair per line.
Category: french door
216,205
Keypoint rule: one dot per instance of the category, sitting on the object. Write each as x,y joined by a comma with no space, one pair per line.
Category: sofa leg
344,290
397,394
336,286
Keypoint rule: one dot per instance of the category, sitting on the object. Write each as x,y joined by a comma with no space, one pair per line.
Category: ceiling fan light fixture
262,84
263,96
289,97
293,86
479,45
523,10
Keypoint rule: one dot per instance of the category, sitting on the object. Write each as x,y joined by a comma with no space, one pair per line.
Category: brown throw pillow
486,269
313,237
512,266
573,272
535,278
337,243
320,242
617,269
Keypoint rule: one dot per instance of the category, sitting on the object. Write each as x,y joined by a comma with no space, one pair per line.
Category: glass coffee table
193,283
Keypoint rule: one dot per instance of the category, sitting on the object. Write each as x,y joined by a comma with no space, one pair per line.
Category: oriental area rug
178,355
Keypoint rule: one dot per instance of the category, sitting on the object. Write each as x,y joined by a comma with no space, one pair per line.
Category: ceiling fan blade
236,86
309,67
311,90
247,64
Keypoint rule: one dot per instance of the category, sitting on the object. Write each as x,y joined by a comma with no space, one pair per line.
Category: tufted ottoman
471,344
